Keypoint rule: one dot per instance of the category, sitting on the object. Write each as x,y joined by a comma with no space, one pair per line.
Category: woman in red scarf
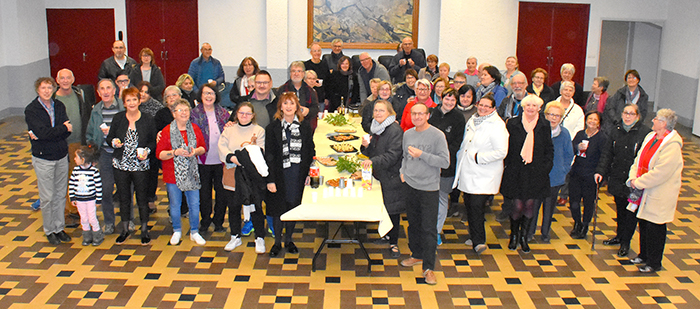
657,172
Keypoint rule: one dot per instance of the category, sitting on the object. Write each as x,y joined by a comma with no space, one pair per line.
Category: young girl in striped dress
85,191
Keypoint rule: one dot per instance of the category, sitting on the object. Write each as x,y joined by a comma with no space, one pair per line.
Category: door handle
161,55
84,57
166,55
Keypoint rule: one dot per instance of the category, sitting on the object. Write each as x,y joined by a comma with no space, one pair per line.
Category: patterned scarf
631,98
479,119
186,170
291,151
484,90
378,128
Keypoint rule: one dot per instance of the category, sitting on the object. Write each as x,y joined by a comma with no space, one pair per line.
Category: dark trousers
210,176
548,205
626,220
153,179
475,216
582,188
234,214
124,180
394,232
288,226
422,210
507,207
652,239
107,174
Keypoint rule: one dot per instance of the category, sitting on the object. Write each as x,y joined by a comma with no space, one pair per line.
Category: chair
355,60
385,60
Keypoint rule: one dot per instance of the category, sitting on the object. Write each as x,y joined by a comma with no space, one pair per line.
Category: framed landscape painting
362,24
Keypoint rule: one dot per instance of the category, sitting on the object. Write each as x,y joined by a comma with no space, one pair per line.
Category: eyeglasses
363,60
459,82
182,110
422,89
629,114
553,115
242,114
209,93
418,114
261,83
484,106
122,81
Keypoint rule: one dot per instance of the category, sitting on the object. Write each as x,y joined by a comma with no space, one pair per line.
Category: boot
97,237
145,237
581,232
514,230
524,227
87,237
576,229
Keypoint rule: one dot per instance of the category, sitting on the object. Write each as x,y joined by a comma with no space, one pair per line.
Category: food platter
345,130
342,137
327,161
344,148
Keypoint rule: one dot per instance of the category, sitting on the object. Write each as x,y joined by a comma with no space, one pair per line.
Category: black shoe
624,250
53,239
275,250
576,229
524,227
581,233
291,247
648,269
122,237
394,250
63,237
612,241
219,228
145,238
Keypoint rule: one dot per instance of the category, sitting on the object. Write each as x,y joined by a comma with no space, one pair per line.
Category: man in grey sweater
425,153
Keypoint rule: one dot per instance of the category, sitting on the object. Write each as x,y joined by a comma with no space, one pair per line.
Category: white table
368,208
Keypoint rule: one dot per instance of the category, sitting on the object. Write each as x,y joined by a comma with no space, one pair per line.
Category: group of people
433,138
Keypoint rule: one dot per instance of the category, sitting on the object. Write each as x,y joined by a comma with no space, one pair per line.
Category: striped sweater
85,184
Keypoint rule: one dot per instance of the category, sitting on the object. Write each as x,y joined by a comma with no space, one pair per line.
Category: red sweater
406,122
165,145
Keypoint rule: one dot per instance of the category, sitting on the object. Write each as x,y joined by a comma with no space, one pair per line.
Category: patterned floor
565,273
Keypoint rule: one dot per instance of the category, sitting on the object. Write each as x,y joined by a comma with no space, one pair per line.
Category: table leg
323,243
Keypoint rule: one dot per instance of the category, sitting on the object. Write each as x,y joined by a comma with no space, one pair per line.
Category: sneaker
439,240
175,240
247,228
429,276
270,228
637,260
235,242
648,269
260,245
198,239
53,239
480,248
469,242
36,206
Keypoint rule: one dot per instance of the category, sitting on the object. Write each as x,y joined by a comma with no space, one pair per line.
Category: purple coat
199,117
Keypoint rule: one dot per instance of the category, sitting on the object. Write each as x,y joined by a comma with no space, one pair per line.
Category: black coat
145,126
338,86
547,94
452,124
529,181
579,97
157,81
403,93
51,144
385,152
276,202
612,115
618,155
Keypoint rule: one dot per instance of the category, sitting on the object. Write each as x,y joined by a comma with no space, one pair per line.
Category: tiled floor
564,273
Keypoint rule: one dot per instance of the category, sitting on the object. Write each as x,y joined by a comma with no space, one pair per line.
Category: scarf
479,119
186,170
291,151
378,128
631,98
628,127
464,109
484,90
556,131
528,145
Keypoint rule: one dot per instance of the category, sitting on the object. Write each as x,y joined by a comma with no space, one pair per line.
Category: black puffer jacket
618,155
385,152
452,124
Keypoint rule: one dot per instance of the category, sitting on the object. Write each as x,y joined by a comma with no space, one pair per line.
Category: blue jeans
175,197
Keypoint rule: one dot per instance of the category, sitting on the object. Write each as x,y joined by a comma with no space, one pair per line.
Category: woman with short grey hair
655,181
567,74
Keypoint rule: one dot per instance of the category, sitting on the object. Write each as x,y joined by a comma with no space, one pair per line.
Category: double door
169,28
551,34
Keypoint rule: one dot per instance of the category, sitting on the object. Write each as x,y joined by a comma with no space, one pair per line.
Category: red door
551,34
169,28
76,47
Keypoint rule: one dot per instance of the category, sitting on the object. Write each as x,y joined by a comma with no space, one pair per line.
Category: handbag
229,178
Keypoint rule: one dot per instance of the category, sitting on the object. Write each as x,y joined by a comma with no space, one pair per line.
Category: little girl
85,191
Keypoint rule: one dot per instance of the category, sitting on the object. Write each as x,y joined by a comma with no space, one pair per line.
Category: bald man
205,68
117,63
407,58
369,70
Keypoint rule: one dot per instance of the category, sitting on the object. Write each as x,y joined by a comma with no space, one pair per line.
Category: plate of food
333,182
344,148
327,161
345,130
342,137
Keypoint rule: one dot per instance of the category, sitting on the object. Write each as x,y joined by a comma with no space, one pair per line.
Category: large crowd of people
432,138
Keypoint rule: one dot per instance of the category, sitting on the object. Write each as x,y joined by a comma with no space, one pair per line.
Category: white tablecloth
368,208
